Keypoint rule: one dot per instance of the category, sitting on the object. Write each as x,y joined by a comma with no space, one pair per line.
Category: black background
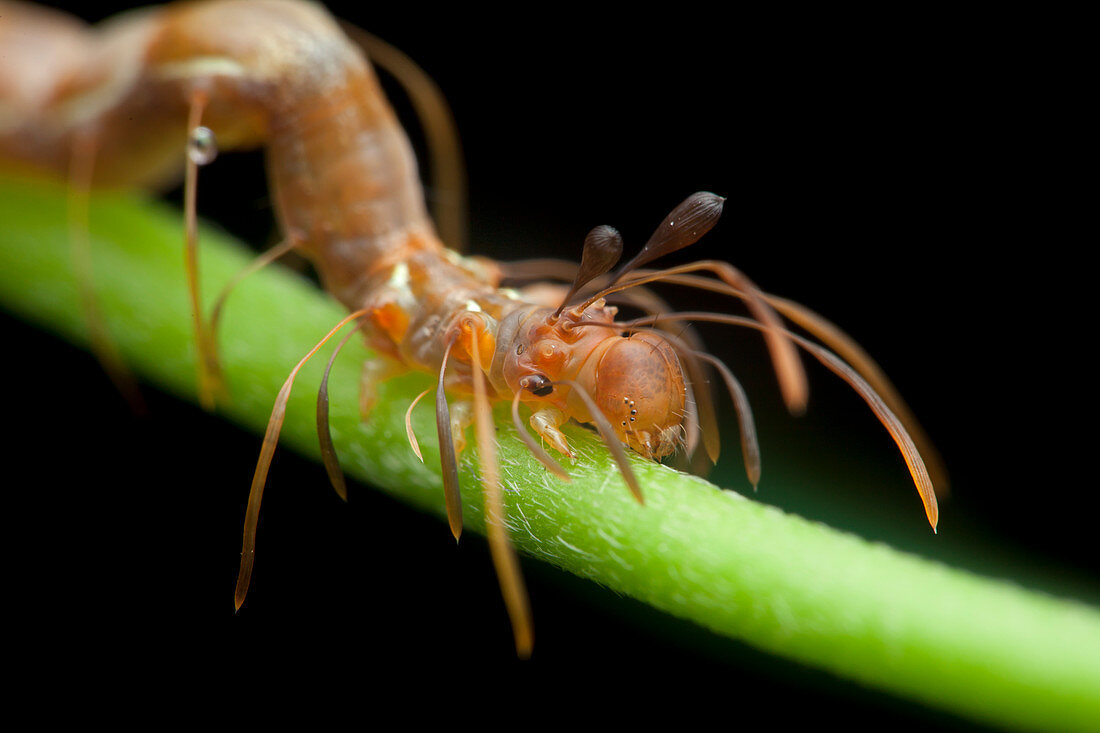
893,172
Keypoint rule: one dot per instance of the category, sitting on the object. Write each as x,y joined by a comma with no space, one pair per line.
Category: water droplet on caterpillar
202,148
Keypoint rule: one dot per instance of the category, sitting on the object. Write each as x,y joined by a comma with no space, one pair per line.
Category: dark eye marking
537,385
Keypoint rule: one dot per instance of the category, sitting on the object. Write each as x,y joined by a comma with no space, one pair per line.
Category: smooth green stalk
983,649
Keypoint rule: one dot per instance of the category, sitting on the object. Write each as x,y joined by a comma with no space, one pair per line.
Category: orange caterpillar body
120,104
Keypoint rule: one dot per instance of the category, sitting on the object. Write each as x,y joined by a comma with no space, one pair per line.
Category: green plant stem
980,648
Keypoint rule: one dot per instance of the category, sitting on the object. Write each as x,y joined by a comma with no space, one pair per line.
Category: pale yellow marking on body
399,277
200,67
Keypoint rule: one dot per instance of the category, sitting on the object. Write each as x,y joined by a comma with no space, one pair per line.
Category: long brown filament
536,450
603,246
267,450
846,347
830,335
685,225
324,432
609,438
699,385
639,297
504,554
81,166
206,376
446,165
539,269
750,446
409,425
700,407
447,458
893,425
704,398
219,304
792,378
692,431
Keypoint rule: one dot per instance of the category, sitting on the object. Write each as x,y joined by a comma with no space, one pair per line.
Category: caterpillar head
637,382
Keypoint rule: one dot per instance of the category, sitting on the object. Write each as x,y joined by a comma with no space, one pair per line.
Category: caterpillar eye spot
537,385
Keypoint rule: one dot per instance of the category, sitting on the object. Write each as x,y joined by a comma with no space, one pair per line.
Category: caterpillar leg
547,422
536,450
462,417
375,371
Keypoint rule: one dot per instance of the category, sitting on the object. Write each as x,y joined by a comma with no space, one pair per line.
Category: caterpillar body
135,102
